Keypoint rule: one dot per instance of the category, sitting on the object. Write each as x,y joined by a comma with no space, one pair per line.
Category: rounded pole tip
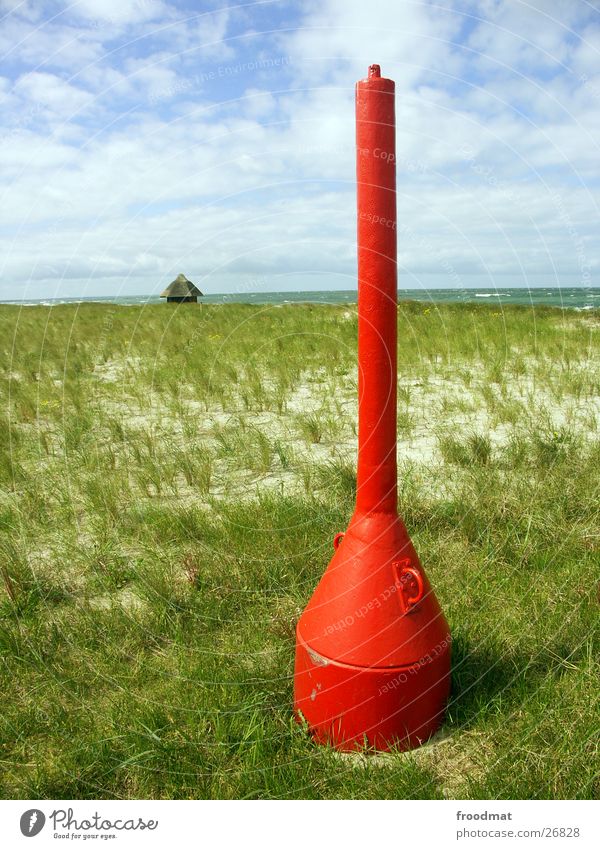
374,70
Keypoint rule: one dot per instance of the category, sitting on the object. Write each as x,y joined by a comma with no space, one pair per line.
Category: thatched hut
181,291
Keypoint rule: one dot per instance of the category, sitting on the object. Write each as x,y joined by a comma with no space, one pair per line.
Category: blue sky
141,138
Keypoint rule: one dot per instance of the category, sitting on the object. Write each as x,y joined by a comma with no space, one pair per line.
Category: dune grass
171,479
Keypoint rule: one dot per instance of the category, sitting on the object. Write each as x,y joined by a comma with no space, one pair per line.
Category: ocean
578,298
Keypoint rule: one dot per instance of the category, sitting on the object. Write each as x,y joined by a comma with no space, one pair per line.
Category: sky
144,138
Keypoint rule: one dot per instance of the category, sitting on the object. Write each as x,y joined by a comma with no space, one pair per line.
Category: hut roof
181,287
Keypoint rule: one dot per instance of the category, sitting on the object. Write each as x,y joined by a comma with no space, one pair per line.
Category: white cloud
53,44
258,103
120,11
48,91
406,38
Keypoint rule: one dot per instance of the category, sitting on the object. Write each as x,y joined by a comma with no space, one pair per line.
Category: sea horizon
572,297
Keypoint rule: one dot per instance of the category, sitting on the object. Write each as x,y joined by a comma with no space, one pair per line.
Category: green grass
170,483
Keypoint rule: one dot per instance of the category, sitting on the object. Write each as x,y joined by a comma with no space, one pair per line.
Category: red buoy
372,645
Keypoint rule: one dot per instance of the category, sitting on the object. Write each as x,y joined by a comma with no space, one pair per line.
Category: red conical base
373,646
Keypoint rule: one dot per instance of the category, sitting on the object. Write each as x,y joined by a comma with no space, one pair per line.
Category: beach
172,477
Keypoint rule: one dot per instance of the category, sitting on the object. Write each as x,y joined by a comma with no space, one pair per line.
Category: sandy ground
428,409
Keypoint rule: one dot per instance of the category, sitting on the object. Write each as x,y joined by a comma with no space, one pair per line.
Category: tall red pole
377,292
373,646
